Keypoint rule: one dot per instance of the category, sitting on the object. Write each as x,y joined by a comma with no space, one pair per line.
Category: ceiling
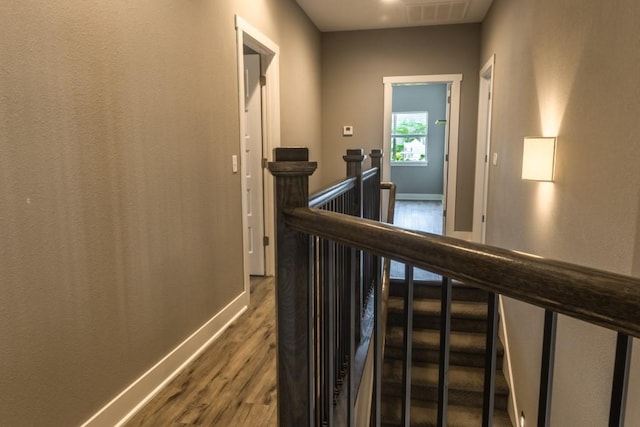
344,15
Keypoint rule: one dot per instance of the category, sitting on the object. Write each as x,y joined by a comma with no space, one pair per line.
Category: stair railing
602,298
326,294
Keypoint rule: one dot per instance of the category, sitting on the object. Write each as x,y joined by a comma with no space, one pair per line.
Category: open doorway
254,173
259,112
421,117
421,135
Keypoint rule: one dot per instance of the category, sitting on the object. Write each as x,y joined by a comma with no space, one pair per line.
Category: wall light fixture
538,158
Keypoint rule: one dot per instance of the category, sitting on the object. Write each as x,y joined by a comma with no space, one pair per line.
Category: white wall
120,218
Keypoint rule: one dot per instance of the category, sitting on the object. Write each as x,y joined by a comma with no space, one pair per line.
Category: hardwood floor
233,383
419,215
422,216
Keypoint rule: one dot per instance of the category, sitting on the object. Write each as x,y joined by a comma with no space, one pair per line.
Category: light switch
495,159
347,130
234,163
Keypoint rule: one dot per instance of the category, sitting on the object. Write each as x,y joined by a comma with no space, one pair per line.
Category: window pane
409,136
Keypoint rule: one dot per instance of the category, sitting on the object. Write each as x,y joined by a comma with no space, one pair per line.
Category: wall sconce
538,158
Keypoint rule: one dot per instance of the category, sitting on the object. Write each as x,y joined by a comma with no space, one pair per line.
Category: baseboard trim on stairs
142,390
507,364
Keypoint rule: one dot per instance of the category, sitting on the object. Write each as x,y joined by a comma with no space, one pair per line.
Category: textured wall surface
353,65
120,219
569,69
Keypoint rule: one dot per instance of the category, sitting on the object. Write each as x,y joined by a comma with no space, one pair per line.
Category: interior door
253,158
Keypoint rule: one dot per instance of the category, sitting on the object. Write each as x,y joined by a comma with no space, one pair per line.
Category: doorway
254,173
259,113
428,140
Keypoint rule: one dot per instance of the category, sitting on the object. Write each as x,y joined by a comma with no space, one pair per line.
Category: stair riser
434,292
421,321
432,356
456,397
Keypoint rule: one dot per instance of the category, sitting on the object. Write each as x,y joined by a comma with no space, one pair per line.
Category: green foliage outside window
409,137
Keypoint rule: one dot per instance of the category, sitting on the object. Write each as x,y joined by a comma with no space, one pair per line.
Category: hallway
233,383
422,216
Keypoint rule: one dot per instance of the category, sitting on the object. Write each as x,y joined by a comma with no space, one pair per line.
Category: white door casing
451,146
481,193
483,149
247,35
253,158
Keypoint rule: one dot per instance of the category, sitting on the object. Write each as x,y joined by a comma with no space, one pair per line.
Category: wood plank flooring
233,383
417,215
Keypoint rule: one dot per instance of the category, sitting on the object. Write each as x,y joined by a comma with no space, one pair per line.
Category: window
409,137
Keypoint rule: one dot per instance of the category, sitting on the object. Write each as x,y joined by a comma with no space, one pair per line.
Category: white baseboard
142,390
415,196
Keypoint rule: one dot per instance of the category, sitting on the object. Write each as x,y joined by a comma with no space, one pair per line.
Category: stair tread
459,309
465,378
435,283
465,342
424,414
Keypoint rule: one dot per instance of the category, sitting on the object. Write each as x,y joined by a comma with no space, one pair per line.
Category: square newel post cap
292,161
376,157
376,153
354,155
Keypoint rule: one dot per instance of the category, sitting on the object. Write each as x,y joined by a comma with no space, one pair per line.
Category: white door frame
247,35
483,150
480,197
450,166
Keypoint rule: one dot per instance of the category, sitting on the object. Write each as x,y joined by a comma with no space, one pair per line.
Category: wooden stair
466,358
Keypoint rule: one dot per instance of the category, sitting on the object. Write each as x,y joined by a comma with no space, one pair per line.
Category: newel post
376,162
291,170
354,159
376,398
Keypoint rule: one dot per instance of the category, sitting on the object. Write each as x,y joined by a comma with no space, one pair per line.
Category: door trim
248,35
450,167
483,151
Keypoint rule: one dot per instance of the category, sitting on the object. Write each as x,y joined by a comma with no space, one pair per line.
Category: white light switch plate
347,130
234,163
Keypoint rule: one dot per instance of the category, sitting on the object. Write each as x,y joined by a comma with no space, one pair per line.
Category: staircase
466,359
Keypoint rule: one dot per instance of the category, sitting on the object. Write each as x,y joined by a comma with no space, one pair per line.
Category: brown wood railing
602,298
325,313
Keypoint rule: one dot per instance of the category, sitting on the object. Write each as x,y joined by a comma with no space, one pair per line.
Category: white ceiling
343,15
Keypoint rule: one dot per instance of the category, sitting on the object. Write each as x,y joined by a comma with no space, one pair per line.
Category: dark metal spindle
490,360
620,380
351,339
407,347
445,334
546,368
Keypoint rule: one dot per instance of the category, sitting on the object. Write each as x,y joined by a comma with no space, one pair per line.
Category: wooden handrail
321,197
603,298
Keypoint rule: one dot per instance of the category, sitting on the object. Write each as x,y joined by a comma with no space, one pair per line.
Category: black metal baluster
443,368
490,360
620,380
546,368
351,339
315,342
407,347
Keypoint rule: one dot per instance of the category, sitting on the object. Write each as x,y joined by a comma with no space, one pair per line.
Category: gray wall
559,67
433,99
120,219
353,65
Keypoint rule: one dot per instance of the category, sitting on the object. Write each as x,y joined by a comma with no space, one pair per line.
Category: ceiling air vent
429,11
